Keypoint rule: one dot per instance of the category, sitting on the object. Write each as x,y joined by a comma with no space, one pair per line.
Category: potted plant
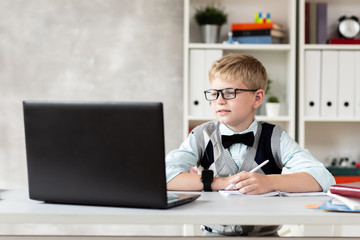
210,19
272,104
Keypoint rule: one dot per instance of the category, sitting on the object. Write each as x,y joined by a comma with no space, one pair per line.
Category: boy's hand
252,183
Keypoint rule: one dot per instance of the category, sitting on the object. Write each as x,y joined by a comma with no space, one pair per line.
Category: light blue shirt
293,157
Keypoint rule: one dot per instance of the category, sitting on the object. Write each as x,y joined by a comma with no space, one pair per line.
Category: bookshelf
329,135
278,59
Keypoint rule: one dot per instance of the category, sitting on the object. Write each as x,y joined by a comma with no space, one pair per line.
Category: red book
346,189
254,26
344,41
307,9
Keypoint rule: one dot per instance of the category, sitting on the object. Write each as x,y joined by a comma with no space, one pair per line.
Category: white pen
253,170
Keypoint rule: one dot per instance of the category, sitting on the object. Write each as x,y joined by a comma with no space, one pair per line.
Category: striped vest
215,157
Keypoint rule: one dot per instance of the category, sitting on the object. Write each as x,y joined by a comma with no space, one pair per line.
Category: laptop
98,153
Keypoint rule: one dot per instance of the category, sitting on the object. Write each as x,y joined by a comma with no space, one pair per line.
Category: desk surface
210,208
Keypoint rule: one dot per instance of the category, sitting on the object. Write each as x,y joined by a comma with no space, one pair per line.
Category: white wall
86,50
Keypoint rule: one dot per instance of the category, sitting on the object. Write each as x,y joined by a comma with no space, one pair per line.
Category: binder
346,106
329,83
196,82
200,62
357,84
211,56
312,83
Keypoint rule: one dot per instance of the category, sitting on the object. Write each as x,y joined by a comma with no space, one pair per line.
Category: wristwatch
207,177
348,27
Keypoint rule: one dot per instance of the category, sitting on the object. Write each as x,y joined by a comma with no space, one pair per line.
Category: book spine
244,33
307,7
258,39
321,23
344,41
345,191
251,26
312,23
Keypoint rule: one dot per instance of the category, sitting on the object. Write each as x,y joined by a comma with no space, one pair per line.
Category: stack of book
258,33
347,196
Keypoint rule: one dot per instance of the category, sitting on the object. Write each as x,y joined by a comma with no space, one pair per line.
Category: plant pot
210,33
272,109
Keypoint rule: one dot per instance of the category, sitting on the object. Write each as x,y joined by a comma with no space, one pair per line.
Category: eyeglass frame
221,91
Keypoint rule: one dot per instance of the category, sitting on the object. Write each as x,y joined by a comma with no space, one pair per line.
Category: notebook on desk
97,153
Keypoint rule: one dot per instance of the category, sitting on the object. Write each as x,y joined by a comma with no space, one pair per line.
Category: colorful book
259,32
346,189
254,26
258,39
344,41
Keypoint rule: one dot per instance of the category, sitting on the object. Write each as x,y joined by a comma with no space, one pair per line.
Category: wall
119,50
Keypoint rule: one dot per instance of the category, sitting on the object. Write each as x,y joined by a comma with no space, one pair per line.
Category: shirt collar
224,130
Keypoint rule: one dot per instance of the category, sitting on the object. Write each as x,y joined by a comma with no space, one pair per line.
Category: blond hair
239,67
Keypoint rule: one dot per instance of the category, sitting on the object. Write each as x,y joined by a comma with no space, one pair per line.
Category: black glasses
226,93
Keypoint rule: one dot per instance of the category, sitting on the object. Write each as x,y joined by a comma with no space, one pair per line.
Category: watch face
349,28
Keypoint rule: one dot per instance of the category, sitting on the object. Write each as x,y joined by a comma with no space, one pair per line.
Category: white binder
312,83
329,83
357,84
211,56
200,62
196,82
346,104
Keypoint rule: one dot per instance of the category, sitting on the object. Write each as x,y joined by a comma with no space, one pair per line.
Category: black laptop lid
101,153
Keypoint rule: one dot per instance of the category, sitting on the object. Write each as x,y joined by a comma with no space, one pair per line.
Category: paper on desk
302,194
236,192
274,193
352,203
337,206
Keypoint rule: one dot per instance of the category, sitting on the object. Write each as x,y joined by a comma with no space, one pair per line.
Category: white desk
211,208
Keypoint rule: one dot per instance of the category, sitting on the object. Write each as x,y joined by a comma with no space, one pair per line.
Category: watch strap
207,186
207,177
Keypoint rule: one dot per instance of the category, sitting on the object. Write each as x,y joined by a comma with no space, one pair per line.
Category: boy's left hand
252,183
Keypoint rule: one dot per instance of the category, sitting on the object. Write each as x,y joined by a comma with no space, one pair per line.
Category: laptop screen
102,153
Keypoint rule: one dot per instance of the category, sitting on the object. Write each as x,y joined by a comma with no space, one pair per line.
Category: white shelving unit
327,137
278,59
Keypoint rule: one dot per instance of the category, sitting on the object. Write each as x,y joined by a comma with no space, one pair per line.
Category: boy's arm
255,183
192,182
295,182
298,160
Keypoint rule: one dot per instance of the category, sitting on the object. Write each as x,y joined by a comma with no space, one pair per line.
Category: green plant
273,99
210,15
269,81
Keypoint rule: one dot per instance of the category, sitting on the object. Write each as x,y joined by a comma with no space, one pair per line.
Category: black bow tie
246,138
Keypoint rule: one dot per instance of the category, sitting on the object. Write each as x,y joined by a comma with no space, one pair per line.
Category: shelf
331,47
253,47
340,120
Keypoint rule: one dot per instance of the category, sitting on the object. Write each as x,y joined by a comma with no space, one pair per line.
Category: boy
238,84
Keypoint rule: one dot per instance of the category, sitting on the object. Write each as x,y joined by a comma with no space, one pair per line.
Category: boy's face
237,113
